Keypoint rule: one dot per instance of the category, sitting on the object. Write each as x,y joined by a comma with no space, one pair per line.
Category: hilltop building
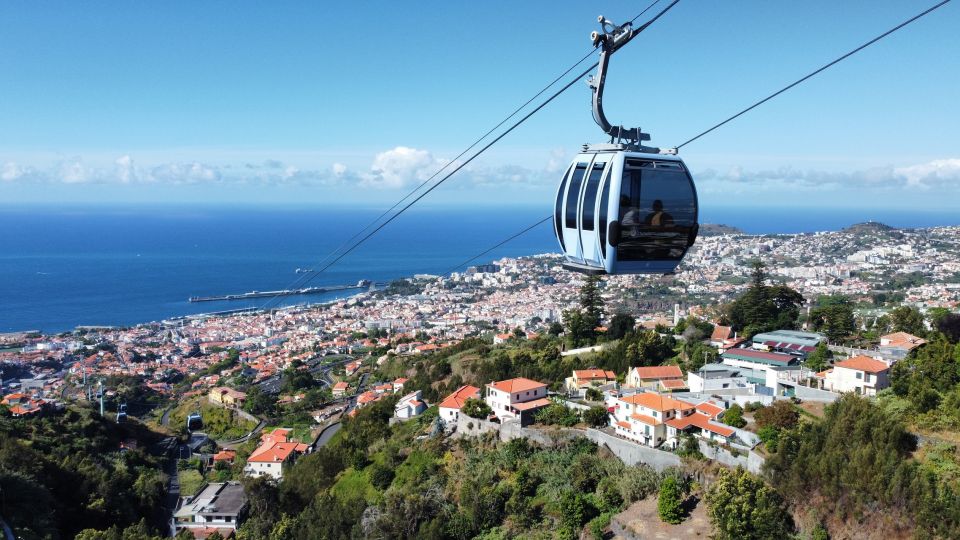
219,507
518,399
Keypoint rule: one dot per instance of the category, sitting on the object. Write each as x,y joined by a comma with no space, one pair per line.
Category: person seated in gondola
630,220
658,218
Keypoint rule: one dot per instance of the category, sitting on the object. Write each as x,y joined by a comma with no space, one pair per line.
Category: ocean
64,267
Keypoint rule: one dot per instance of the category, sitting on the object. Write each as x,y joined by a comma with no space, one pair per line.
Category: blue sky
344,103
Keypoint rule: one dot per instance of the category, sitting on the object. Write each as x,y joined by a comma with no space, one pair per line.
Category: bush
558,415
734,416
670,501
474,408
753,406
781,414
596,416
594,395
638,483
769,435
743,507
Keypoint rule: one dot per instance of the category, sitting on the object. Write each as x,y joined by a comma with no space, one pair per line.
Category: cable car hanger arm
611,39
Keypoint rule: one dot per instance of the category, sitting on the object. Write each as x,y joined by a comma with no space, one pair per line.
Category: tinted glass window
590,195
558,212
573,194
657,211
602,215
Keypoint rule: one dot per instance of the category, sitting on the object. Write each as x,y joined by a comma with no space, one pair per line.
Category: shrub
559,415
734,416
669,502
743,507
474,408
596,416
781,414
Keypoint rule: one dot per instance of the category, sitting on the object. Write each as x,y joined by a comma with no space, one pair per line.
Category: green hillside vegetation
857,466
64,473
218,422
378,481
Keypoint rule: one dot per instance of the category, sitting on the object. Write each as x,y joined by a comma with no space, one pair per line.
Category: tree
259,402
590,301
594,395
834,317
763,307
474,408
555,329
743,507
596,416
949,326
579,330
819,358
670,501
734,416
781,415
620,325
907,319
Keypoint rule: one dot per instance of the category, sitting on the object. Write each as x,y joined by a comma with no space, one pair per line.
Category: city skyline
335,105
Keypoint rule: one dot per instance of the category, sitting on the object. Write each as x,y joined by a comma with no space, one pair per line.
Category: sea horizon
63,266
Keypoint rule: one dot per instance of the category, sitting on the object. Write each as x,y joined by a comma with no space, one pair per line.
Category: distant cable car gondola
624,208
194,421
122,413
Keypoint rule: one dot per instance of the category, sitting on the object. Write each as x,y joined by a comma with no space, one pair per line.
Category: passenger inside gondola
659,218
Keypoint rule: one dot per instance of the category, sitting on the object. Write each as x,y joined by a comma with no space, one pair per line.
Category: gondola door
589,239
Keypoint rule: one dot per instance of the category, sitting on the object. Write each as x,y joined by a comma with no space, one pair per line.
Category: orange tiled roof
519,384
709,409
701,421
863,363
535,404
594,374
459,396
657,402
659,372
274,453
649,420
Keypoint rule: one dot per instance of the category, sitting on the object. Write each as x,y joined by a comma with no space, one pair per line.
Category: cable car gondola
622,207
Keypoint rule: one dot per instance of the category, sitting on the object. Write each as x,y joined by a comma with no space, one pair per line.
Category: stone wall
633,453
749,460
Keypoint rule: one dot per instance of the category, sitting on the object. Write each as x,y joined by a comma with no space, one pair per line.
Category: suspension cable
311,275
813,73
515,236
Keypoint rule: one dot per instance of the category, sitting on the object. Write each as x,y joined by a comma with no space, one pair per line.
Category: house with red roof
340,388
274,454
654,419
398,384
652,376
517,399
897,346
861,374
587,378
450,406
21,404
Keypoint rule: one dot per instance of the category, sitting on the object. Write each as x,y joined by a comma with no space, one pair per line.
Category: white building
451,405
654,419
860,374
516,398
219,506
409,406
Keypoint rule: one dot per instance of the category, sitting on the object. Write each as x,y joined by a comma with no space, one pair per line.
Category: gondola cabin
624,212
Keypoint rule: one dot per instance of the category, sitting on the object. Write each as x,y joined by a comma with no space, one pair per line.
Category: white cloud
183,173
399,167
73,171
937,173
126,172
11,171
941,174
